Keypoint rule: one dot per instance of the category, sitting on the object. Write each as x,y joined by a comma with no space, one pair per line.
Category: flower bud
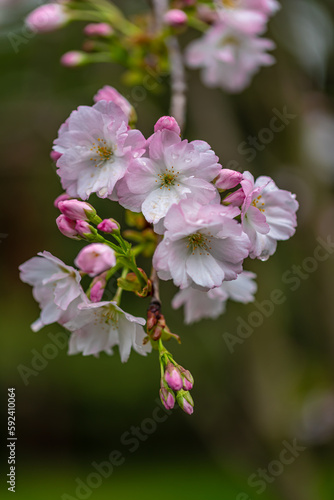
73,58
95,259
187,378
173,377
61,197
84,229
77,210
108,226
228,179
175,18
67,227
110,94
97,288
236,199
167,398
47,17
98,29
55,156
185,401
169,123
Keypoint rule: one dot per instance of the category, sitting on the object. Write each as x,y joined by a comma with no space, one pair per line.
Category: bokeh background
276,387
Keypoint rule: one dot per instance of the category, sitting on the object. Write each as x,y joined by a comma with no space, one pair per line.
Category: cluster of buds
175,379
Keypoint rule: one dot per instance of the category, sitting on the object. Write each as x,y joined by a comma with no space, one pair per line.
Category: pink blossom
228,57
96,147
173,377
73,58
101,326
167,398
199,305
83,228
228,179
98,29
268,215
110,94
202,247
55,156
75,209
47,17
175,18
56,287
97,288
235,199
108,226
169,123
67,227
185,401
174,170
95,258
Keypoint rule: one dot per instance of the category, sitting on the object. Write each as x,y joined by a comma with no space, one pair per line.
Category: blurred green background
276,387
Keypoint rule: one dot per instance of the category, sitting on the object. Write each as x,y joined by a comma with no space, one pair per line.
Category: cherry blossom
268,215
211,304
96,147
56,287
174,170
229,58
202,246
100,326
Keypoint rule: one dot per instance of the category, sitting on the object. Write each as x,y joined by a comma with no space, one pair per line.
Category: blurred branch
178,84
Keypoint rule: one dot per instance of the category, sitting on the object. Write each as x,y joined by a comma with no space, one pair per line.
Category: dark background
276,387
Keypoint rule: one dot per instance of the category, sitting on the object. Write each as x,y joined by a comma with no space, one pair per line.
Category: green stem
118,294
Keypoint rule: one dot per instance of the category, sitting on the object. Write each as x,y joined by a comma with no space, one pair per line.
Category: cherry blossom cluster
229,50
196,220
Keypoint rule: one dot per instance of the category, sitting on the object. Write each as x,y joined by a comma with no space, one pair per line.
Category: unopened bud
95,258
108,226
85,230
67,227
167,123
97,288
54,155
173,377
47,17
167,398
185,401
74,58
175,18
98,29
235,199
187,378
228,179
77,210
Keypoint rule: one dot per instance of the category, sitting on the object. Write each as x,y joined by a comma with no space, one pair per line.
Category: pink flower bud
110,94
173,377
55,155
188,380
228,179
67,227
73,58
167,398
47,17
97,288
83,228
95,258
169,123
61,197
108,226
185,402
175,18
98,29
76,210
236,199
